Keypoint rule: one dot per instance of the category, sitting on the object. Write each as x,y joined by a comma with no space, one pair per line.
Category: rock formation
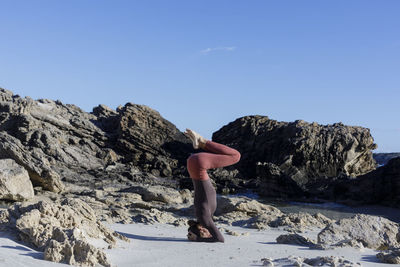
371,231
301,261
14,181
380,186
150,141
126,165
295,239
60,144
61,230
297,158
391,256
301,220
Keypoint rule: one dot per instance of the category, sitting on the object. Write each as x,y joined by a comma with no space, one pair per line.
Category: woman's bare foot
197,140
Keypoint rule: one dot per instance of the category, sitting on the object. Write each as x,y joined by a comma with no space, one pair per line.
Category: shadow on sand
17,247
31,253
370,258
153,238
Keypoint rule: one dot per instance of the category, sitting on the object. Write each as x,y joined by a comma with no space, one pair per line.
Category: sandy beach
166,245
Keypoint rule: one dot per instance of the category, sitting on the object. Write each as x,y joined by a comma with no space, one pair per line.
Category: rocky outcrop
295,239
45,136
159,204
297,158
59,143
61,230
380,186
139,203
245,205
391,256
15,184
301,220
75,252
246,212
35,162
371,231
150,141
158,193
326,261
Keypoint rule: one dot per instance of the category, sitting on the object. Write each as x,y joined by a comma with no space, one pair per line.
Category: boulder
246,212
61,230
295,239
140,203
301,220
37,165
15,184
297,158
245,205
379,186
372,231
157,193
153,216
329,261
326,261
391,256
75,252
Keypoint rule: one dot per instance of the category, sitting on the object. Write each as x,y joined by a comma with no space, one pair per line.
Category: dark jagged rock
297,158
383,158
60,143
295,239
150,141
57,142
379,186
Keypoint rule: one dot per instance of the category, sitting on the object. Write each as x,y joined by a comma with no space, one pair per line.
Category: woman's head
197,229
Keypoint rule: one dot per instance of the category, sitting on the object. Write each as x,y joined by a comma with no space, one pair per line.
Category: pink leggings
220,156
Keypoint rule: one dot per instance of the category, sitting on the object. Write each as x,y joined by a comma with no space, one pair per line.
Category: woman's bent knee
192,162
236,157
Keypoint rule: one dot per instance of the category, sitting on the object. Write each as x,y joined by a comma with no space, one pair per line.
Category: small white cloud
219,48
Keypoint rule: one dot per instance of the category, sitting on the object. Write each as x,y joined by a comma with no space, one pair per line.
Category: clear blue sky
202,64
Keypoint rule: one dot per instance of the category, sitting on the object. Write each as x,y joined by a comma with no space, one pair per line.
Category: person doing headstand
205,197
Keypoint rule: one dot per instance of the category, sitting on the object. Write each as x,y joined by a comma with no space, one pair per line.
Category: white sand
166,245
14,254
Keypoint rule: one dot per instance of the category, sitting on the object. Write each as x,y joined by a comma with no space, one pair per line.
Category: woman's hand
204,233
191,236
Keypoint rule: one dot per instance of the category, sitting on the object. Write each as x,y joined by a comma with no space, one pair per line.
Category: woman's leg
205,203
221,156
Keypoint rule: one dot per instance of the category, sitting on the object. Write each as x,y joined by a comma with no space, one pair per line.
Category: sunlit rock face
58,143
297,158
